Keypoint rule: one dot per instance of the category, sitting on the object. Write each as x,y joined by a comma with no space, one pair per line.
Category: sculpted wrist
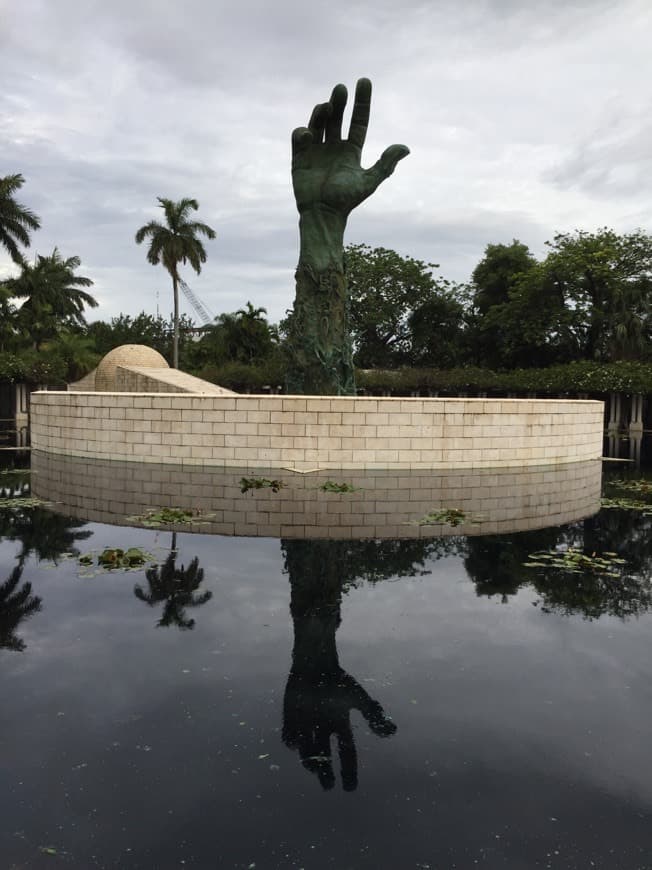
321,232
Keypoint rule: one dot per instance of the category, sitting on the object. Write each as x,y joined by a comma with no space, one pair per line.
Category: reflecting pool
434,700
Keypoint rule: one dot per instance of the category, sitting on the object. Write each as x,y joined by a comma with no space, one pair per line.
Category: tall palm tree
16,221
53,295
173,243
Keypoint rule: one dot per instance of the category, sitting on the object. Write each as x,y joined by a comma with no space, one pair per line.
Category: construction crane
204,313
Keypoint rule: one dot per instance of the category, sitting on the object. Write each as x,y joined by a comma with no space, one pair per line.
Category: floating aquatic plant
447,517
627,504
116,558
332,486
639,485
22,501
247,483
169,516
574,561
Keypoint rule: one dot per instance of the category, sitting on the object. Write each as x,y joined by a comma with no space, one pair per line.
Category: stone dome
137,355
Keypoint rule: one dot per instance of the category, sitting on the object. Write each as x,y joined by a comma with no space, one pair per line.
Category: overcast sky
523,117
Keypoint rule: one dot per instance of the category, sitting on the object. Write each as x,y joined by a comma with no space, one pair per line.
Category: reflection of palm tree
320,695
42,532
15,606
176,587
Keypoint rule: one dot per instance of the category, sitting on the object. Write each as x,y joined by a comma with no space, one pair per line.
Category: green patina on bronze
329,183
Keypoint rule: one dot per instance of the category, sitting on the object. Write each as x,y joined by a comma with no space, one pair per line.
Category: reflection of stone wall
316,432
387,505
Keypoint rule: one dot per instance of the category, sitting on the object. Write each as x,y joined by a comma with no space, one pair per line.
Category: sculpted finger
360,114
317,122
334,123
384,167
301,140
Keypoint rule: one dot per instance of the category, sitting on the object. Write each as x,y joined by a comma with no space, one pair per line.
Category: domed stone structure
137,355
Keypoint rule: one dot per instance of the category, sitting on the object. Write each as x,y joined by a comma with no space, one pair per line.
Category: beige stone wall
84,384
306,433
386,504
131,379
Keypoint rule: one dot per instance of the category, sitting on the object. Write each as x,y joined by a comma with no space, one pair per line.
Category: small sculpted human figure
329,183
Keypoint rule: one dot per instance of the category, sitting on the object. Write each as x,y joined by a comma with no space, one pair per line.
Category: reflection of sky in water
521,736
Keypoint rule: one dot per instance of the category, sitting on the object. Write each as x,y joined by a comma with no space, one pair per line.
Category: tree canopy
16,220
392,298
53,296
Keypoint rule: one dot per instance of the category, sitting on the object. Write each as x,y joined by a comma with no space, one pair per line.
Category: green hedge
573,378
577,377
242,377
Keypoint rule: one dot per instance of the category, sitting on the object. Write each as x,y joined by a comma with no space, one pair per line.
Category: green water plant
116,558
332,486
168,516
21,502
251,483
627,504
575,561
447,517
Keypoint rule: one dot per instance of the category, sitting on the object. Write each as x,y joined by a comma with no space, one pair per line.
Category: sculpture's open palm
326,169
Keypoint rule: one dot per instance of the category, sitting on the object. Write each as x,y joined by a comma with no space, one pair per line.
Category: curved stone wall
304,433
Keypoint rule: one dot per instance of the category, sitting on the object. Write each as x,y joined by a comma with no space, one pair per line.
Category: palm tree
16,221
53,298
77,350
173,243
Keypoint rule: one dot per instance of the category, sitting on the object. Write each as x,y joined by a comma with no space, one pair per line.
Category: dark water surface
256,702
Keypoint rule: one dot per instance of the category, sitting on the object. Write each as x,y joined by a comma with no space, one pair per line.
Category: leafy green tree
242,336
533,328
606,279
52,294
386,291
16,221
8,322
509,324
155,332
175,242
495,276
76,350
438,332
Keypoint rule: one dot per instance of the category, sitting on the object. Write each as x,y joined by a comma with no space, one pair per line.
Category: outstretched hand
326,170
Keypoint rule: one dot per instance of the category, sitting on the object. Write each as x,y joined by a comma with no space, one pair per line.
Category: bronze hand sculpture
329,183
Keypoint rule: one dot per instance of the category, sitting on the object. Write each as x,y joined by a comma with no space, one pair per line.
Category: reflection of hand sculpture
313,712
320,695
329,183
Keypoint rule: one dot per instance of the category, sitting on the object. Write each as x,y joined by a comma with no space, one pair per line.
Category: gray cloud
516,122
